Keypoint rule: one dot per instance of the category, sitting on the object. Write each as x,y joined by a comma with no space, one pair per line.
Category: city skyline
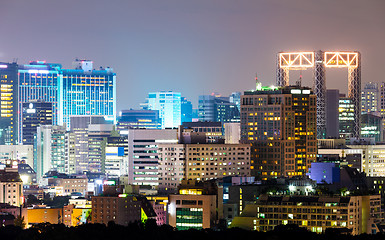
192,47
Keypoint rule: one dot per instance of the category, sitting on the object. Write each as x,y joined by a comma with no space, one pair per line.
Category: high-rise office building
8,104
370,98
186,110
40,81
214,108
35,113
88,92
49,149
80,91
332,122
97,141
280,124
169,106
143,154
346,117
79,142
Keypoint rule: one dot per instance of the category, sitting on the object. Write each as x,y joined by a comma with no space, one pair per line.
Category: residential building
172,166
122,209
315,213
280,125
11,187
211,161
40,215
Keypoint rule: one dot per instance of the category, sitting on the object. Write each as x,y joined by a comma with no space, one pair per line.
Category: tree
19,221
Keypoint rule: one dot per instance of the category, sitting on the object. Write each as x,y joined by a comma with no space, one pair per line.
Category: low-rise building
122,209
315,213
198,205
11,187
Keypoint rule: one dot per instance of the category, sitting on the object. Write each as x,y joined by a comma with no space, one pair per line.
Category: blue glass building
40,81
169,106
88,92
81,91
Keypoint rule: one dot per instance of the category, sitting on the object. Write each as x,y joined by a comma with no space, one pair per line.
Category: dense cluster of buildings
250,160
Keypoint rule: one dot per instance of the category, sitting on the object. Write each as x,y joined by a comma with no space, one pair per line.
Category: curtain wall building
8,104
80,91
169,106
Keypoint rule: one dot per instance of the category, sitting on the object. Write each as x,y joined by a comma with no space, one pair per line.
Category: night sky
192,46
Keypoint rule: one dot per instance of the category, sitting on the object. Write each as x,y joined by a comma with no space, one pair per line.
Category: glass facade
187,218
35,113
346,117
39,81
8,103
88,93
169,106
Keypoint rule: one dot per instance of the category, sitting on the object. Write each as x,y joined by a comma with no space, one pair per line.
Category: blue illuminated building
88,92
324,172
81,91
186,110
169,106
40,81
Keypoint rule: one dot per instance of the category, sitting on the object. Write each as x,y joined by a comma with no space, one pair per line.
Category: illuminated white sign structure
320,60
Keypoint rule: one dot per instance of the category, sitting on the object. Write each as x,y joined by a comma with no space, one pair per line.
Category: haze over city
194,47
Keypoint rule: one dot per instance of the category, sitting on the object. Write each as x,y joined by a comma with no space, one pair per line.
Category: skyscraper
186,110
370,98
49,149
35,113
40,81
332,123
8,104
280,124
346,117
169,106
88,92
80,91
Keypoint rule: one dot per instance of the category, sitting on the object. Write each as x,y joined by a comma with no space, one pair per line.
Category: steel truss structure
319,61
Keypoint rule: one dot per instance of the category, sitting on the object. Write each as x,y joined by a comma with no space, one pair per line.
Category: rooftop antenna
258,84
299,81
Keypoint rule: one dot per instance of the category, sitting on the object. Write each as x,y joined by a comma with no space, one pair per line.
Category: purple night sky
194,47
